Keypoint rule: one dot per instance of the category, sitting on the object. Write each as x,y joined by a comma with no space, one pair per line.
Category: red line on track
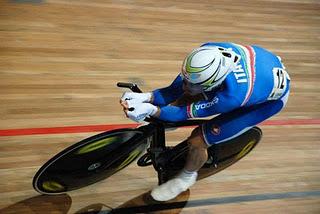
98,128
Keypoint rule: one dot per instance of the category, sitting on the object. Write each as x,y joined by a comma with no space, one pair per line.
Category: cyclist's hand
125,106
137,97
139,111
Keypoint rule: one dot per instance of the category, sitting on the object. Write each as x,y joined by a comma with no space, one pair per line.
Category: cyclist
245,85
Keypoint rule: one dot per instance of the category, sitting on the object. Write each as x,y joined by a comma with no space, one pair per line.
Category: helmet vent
226,54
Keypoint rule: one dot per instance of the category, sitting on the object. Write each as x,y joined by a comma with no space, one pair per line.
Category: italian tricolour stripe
190,109
248,56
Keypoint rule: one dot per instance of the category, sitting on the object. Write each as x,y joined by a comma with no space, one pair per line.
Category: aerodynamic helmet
208,66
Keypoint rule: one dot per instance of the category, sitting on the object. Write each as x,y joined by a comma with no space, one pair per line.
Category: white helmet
208,66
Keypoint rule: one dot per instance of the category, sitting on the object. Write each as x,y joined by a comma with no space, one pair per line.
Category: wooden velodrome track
60,61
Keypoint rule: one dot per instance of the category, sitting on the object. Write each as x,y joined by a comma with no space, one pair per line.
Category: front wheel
89,161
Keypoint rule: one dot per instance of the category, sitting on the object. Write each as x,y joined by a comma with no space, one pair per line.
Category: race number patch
280,84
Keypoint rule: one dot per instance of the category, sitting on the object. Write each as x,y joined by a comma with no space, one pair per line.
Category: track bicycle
100,156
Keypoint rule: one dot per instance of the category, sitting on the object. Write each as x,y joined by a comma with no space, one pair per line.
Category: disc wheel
89,161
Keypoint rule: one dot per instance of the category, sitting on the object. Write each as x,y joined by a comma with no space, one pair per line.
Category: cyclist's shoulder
229,92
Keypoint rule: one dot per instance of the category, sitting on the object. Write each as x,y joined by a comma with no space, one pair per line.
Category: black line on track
213,201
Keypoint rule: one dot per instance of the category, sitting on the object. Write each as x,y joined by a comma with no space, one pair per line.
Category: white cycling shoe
173,187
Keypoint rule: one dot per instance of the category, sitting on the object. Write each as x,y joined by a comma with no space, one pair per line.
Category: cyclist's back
252,81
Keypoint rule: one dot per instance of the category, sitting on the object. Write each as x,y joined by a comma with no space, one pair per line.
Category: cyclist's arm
164,96
219,104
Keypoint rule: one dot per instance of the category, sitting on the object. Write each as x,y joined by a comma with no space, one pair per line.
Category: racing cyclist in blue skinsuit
245,85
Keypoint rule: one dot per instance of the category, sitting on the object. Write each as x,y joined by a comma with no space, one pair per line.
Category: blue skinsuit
257,89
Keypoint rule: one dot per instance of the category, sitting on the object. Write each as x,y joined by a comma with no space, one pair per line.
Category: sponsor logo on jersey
214,101
193,108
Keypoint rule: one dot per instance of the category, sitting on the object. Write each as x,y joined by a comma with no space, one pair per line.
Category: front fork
156,151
